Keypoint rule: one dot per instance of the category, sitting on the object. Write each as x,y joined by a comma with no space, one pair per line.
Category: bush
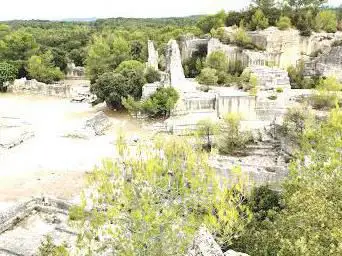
192,66
161,103
305,22
241,38
233,140
272,97
217,60
206,129
329,84
284,23
152,75
224,79
297,79
323,100
279,90
8,73
42,69
48,248
259,21
208,76
326,20
339,25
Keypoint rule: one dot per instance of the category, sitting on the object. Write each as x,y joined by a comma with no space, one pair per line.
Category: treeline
306,16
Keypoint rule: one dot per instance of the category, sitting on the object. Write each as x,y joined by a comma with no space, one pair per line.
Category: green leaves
7,74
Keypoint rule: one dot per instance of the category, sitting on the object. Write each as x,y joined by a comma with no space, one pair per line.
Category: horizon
80,10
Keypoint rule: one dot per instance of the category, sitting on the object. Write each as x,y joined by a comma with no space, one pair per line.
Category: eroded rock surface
13,132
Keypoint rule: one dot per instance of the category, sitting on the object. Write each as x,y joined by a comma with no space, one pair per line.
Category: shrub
208,76
8,73
217,60
42,68
224,78
161,103
329,84
152,75
323,100
284,23
272,97
233,140
297,79
279,90
206,129
48,248
242,39
192,66
259,21
326,20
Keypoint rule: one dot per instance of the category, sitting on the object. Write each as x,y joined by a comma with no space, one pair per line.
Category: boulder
99,123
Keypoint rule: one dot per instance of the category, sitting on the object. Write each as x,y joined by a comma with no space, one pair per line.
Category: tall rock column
152,55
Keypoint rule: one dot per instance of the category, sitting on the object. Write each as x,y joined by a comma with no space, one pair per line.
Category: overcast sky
61,9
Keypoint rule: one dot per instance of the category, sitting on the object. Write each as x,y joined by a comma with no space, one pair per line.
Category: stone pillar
152,55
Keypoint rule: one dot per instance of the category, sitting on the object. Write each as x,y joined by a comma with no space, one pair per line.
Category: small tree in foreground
207,128
208,76
152,201
233,140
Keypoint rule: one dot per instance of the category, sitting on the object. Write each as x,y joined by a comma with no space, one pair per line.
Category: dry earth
48,163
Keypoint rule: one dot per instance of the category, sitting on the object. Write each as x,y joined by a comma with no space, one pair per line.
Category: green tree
42,68
157,201
152,75
232,139
161,103
111,87
326,20
18,45
206,129
284,23
217,60
241,38
259,21
7,74
207,23
264,5
105,54
208,76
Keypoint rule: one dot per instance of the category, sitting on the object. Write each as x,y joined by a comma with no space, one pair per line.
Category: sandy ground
49,164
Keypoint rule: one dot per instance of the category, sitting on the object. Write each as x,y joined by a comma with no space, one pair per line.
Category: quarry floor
48,163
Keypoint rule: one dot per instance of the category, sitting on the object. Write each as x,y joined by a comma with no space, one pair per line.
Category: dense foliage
7,74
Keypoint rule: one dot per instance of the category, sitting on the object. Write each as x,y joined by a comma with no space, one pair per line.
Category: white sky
60,9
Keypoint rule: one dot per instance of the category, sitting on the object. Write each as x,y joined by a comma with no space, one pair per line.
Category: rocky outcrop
326,64
13,132
99,123
205,245
74,72
193,47
270,78
152,55
24,226
34,87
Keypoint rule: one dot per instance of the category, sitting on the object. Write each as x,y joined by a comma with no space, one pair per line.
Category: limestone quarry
53,135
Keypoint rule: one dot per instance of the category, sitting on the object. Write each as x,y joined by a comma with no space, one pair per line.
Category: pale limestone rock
37,88
192,46
270,78
234,253
205,245
152,55
74,72
99,123
13,132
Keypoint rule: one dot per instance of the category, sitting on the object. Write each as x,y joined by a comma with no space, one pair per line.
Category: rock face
174,64
74,72
270,78
152,55
23,227
326,64
204,245
99,123
13,132
37,88
191,46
